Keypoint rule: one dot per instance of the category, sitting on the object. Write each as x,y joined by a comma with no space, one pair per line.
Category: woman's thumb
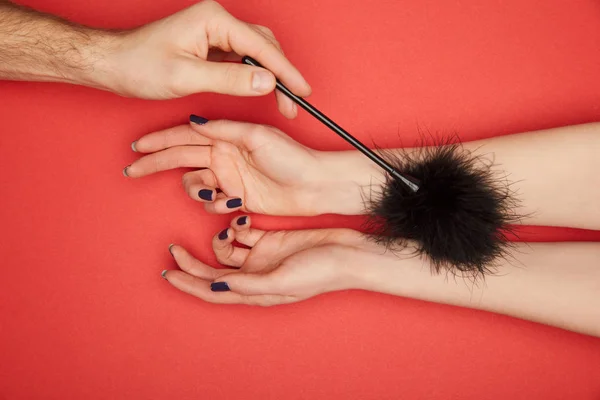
246,284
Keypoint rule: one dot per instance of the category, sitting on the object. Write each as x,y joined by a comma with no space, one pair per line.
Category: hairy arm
557,284
176,56
554,173
40,47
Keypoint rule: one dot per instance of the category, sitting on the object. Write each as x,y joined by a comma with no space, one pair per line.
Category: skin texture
556,284
270,172
180,55
250,161
552,172
173,57
280,267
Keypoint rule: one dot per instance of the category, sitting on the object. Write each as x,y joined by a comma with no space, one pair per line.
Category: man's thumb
235,79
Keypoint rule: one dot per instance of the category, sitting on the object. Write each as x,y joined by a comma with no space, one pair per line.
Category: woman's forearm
553,173
556,284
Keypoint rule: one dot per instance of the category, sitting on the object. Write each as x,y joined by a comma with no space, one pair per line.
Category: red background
84,311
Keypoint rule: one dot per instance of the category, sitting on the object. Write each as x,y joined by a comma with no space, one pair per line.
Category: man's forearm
551,283
39,47
552,172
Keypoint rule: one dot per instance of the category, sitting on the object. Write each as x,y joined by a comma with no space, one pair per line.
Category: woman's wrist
403,272
346,181
370,267
562,300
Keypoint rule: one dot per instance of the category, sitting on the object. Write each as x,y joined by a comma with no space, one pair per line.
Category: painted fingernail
242,221
234,203
198,120
171,248
163,274
205,194
223,234
125,171
262,81
133,146
219,287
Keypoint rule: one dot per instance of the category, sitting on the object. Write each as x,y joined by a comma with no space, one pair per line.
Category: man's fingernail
234,203
133,146
223,234
219,287
242,221
262,81
198,120
163,274
125,171
171,248
205,194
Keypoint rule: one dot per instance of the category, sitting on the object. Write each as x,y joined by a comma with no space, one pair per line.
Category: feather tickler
459,217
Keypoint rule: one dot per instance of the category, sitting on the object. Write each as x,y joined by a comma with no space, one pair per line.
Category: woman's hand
279,267
256,168
181,54
282,267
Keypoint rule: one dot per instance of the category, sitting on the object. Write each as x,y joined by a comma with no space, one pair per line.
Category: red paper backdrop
84,311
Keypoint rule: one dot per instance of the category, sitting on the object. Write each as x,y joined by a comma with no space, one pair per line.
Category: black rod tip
250,61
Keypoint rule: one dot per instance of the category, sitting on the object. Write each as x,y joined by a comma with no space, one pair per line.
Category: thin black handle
339,130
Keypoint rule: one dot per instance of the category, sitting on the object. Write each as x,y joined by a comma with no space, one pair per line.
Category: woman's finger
201,288
193,266
200,185
174,157
244,234
226,252
181,135
224,204
209,292
241,134
251,284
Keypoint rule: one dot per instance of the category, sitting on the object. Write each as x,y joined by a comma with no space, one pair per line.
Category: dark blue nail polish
242,221
234,203
205,194
171,248
198,120
223,234
219,287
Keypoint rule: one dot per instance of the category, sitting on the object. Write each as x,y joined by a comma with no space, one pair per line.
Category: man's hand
179,55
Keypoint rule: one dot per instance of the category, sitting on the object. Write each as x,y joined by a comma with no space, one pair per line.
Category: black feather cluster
460,216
